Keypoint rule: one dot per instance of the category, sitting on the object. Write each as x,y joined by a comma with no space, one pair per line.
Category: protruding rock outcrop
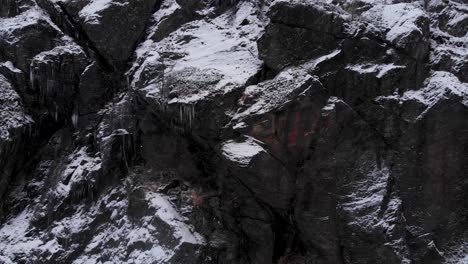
54,79
299,31
15,128
114,27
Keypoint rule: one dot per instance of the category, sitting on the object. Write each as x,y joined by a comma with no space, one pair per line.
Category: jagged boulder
55,77
26,35
454,20
406,26
267,178
282,113
451,59
449,54
300,30
92,93
192,81
112,37
171,21
15,128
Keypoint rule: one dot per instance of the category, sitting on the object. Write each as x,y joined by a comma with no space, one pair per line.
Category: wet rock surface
233,131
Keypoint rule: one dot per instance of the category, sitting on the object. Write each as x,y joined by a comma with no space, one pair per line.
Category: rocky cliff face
233,131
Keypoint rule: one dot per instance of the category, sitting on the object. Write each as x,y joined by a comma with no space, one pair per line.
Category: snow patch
330,106
439,86
457,254
314,63
167,8
79,167
242,152
14,237
154,238
9,65
380,69
91,12
400,20
167,213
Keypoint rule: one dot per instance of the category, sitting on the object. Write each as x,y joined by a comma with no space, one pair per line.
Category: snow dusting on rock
222,46
405,22
12,115
90,13
241,152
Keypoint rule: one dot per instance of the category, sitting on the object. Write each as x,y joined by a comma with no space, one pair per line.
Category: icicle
181,114
191,115
31,77
186,115
56,112
75,118
124,151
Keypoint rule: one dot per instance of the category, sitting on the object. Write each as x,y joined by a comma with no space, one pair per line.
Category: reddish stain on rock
294,132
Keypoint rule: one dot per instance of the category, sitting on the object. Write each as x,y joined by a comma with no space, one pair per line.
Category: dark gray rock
454,20
21,44
299,31
113,37
55,77
15,127
217,132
